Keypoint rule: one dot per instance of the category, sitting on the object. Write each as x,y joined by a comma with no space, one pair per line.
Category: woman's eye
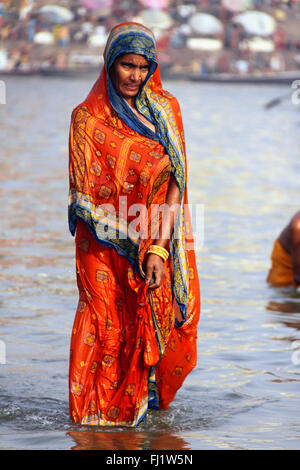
143,69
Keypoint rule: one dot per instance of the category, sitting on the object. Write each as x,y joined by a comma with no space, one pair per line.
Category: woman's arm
154,264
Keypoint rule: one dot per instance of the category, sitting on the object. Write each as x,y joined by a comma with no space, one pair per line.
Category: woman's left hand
155,269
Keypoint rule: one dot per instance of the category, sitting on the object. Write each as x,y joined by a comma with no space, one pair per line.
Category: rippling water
243,167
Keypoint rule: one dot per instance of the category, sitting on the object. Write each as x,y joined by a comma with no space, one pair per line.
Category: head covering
105,126
129,39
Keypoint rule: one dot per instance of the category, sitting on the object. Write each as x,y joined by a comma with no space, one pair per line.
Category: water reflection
283,310
126,440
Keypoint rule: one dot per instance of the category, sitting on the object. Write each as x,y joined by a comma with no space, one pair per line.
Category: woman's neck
130,102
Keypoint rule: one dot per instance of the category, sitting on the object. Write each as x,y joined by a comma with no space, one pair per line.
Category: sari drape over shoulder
129,352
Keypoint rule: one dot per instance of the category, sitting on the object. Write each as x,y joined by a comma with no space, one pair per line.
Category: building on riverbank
196,37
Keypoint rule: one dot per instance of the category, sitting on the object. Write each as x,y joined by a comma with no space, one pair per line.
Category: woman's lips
132,87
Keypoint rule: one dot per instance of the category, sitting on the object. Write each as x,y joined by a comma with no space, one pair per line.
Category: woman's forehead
136,59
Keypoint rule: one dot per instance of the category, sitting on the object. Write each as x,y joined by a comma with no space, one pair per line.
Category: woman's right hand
155,269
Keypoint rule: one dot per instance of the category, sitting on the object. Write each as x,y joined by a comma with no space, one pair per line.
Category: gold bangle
158,250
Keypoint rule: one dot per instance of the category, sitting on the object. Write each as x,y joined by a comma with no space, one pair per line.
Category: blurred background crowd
194,36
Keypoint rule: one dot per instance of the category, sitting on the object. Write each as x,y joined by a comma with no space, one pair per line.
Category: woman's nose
136,75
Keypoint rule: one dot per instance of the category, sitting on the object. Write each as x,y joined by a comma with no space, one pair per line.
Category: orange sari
281,273
128,351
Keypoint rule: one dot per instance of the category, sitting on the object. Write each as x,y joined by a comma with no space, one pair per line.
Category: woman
135,329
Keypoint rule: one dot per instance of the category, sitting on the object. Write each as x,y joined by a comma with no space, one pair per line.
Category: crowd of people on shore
30,38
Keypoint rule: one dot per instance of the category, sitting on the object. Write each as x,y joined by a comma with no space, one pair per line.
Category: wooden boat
282,78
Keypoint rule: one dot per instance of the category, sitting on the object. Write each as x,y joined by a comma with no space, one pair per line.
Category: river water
243,163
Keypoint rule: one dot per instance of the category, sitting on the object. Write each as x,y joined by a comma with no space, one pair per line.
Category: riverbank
234,55
282,78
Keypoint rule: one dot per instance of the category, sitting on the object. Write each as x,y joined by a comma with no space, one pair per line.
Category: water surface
243,162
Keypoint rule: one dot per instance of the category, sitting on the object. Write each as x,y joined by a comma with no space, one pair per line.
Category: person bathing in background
285,268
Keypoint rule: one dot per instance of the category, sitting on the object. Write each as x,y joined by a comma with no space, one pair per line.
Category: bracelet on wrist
158,250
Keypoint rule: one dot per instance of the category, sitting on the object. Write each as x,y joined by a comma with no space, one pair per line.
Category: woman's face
128,73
